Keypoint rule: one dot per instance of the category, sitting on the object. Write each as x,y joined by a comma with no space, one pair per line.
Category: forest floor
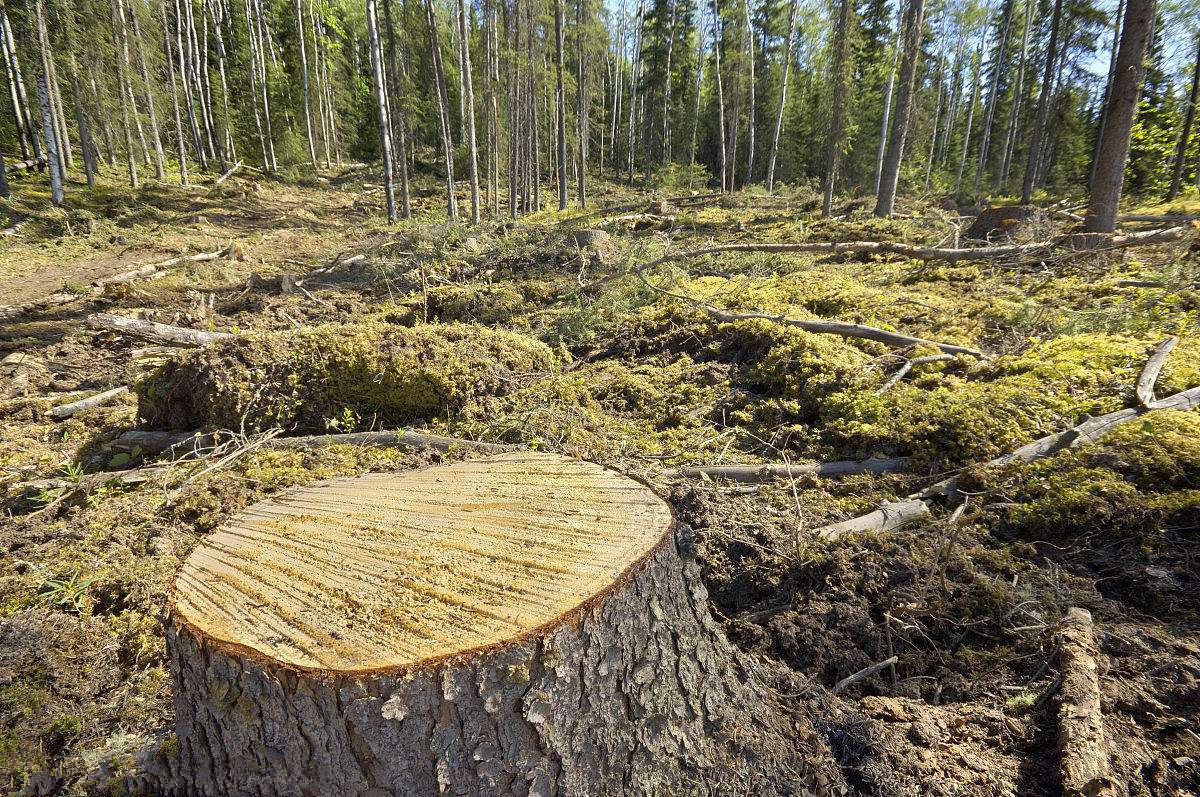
969,602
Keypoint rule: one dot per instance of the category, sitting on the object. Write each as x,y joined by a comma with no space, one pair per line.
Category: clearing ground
529,333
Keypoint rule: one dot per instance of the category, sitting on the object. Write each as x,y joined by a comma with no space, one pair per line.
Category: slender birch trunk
581,101
181,149
184,76
219,38
20,113
718,30
155,135
998,62
753,125
435,53
61,140
472,149
18,84
966,145
696,97
666,110
787,69
385,127
124,94
1010,133
308,125
635,72
560,106
56,180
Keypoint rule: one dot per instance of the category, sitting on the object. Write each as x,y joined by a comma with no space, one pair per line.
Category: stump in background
521,624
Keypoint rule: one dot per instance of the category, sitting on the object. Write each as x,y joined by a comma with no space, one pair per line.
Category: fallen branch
843,328
951,254
863,674
148,270
153,331
908,366
890,515
402,439
1161,218
765,473
16,226
63,411
25,165
1081,741
227,174
1150,372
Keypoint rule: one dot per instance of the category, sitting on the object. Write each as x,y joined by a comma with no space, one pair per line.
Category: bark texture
641,694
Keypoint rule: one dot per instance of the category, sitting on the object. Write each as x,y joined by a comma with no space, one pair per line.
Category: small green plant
73,471
65,593
74,286
347,421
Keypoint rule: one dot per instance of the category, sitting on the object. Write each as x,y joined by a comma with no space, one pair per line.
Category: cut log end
394,571
520,624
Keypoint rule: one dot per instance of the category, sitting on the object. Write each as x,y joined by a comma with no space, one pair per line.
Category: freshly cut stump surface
523,624
392,570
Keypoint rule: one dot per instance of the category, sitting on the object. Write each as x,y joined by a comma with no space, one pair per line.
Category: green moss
383,374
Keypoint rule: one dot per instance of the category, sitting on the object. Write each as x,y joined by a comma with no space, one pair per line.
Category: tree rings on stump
519,624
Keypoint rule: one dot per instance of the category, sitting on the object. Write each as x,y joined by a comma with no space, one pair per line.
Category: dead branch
1160,218
925,252
63,411
890,515
863,674
843,328
770,472
391,439
227,174
150,269
1150,372
153,331
908,366
1081,740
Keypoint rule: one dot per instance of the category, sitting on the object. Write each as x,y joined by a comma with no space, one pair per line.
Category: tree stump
521,624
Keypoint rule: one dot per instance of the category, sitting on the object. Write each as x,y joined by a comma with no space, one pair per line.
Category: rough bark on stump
287,683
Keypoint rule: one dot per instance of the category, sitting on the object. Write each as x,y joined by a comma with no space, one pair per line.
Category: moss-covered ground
509,332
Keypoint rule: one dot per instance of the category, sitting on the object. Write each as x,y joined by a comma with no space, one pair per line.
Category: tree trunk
1105,189
56,180
560,105
1181,146
886,199
61,140
396,114
435,55
753,122
4,191
966,145
258,34
1112,68
833,142
308,125
125,90
994,88
181,150
385,126
718,30
436,656
887,100
182,50
787,68
21,101
666,110
1043,110
467,80
1010,132
581,100
156,136
635,74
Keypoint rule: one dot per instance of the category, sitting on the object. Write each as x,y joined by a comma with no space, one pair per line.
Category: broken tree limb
863,674
154,331
228,174
1149,375
148,270
64,411
763,473
1082,746
404,438
890,515
951,254
908,366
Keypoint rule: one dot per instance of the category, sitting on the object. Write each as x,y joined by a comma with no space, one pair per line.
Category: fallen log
925,252
148,270
1083,749
64,411
26,165
154,331
426,646
765,473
